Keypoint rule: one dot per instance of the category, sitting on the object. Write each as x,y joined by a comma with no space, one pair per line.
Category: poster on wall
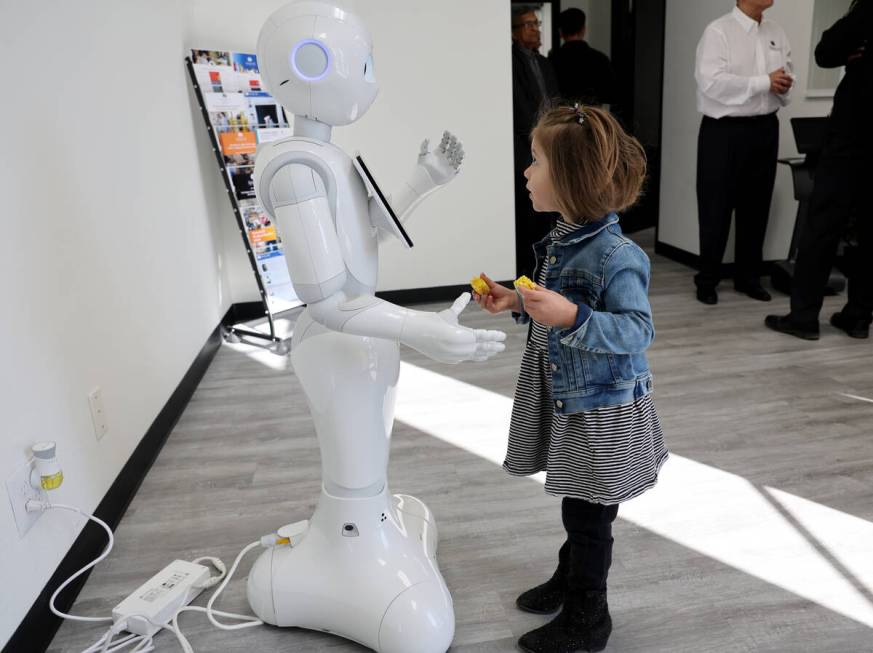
243,115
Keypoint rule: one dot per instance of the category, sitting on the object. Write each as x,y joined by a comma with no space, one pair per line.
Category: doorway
637,54
534,33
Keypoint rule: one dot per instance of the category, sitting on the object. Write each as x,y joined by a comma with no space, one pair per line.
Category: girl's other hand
499,299
548,307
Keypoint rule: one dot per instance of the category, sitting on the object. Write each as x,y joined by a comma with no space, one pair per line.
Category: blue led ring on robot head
310,60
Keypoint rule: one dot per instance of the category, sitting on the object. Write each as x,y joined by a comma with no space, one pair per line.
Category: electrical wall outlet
98,413
20,491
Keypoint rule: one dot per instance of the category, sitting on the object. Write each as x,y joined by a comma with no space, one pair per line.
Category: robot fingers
451,147
449,142
424,145
460,304
485,350
487,336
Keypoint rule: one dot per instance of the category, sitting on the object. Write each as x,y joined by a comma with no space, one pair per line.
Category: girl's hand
499,299
548,307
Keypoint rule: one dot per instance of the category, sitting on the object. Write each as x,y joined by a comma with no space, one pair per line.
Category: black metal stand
235,330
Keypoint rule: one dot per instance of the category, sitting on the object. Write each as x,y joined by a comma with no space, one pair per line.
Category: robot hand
433,170
444,162
440,337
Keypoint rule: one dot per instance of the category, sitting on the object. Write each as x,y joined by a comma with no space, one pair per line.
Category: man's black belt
759,118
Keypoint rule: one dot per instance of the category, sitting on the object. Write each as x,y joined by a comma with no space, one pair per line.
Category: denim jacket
600,360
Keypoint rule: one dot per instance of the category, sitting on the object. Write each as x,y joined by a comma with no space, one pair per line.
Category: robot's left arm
433,170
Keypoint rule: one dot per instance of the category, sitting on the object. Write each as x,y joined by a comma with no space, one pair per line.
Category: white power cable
196,608
106,644
34,506
249,621
218,564
142,643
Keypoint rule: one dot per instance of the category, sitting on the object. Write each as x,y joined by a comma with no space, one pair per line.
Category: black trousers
589,536
736,169
841,190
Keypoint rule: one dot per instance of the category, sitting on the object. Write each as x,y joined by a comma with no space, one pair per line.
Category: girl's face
539,181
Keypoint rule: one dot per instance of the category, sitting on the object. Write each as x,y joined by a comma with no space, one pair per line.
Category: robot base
366,570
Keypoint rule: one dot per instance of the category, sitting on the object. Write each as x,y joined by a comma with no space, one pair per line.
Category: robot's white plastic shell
346,88
378,586
350,385
316,257
365,568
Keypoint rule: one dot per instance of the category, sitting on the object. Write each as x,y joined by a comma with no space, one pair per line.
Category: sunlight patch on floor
843,394
811,550
261,353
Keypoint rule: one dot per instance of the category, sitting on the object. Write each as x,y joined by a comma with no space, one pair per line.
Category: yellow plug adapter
47,473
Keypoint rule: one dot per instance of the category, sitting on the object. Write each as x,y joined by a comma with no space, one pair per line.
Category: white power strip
160,597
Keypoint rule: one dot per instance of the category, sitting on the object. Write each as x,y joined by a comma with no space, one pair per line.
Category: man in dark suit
584,74
842,181
533,84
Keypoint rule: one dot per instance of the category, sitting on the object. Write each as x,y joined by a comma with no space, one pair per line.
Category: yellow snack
524,281
479,286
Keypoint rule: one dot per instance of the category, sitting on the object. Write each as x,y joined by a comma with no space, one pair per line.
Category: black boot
583,625
548,597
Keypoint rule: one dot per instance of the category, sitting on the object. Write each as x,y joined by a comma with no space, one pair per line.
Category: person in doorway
533,86
584,74
843,171
743,74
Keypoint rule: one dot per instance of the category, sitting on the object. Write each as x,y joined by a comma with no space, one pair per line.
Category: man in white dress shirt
743,73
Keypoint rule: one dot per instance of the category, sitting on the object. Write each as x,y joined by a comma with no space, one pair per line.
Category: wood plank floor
767,410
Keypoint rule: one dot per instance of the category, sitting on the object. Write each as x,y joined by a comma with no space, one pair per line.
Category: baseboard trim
426,295
693,260
40,625
248,311
676,254
243,312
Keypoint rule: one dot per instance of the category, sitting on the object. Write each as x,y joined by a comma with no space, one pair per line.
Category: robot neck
309,128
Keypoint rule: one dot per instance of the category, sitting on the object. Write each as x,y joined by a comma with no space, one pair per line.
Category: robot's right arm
436,335
320,278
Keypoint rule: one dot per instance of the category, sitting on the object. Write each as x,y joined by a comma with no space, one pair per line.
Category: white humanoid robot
364,566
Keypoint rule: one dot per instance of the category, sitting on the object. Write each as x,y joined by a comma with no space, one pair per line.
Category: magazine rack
236,330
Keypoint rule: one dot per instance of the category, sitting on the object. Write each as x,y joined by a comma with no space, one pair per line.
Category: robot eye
310,60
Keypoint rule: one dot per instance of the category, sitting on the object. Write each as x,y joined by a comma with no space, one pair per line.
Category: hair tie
580,113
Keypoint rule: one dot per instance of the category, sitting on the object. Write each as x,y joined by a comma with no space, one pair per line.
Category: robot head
317,61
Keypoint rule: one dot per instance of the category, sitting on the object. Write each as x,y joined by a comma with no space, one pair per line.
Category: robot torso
311,187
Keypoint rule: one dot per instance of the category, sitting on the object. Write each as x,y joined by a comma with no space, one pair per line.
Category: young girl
583,409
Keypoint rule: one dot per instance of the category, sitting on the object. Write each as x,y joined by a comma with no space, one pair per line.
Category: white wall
678,209
440,65
119,252
110,266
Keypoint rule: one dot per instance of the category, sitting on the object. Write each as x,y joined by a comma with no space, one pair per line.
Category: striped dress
605,455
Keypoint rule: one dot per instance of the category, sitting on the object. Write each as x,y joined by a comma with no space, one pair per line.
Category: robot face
317,61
